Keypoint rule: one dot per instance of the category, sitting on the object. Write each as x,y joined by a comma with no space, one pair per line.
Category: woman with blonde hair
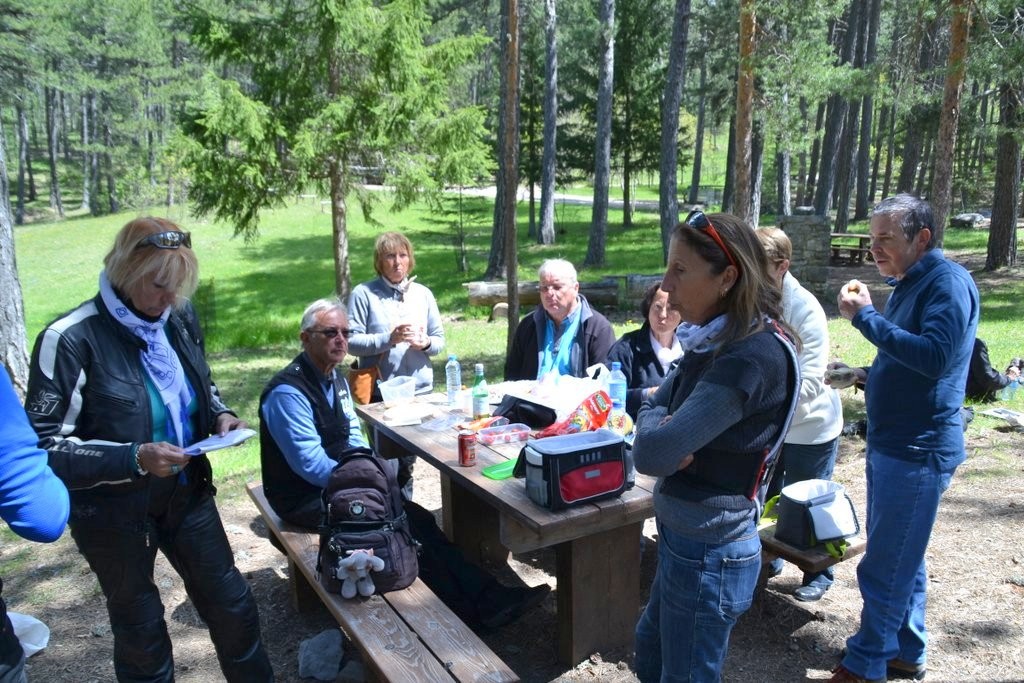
118,388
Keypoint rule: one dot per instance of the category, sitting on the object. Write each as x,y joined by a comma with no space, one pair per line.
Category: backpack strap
771,455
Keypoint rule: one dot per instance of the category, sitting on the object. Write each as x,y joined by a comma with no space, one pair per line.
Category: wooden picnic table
597,545
850,247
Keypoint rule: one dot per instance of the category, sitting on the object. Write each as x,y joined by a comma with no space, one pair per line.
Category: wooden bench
406,635
850,247
810,561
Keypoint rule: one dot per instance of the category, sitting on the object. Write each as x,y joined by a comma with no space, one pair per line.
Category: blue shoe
811,593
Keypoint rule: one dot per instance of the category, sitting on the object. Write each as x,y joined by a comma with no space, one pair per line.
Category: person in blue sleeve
307,421
33,502
913,391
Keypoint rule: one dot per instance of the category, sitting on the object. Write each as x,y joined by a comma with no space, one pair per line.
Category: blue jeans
902,502
699,592
800,462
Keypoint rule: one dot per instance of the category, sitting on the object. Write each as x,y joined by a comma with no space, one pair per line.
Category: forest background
233,108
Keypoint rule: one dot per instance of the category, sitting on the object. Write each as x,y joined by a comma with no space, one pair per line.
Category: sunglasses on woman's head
169,239
699,221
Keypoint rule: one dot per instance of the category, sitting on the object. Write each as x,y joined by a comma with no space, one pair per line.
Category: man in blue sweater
915,442
33,502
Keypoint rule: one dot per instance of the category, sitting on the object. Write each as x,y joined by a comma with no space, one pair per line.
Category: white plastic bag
33,634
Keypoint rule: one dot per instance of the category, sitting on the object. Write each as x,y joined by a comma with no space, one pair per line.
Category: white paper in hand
216,442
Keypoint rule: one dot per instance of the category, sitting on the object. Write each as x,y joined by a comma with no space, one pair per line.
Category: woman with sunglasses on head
118,388
704,433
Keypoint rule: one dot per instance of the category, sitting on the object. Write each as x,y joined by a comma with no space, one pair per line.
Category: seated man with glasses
307,420
564,334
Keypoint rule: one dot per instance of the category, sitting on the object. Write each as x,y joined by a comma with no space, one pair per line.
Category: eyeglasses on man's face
699,221
332,332
169,239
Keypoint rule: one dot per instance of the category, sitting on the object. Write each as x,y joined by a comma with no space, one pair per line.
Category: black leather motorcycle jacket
88,402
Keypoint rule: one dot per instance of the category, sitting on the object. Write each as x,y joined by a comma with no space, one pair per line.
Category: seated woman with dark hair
983,380
647,354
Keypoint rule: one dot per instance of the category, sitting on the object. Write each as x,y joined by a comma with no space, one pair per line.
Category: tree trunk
745,112
668,199
546,233
12,312
844,176
890,151
729,188
1002,233
782,171
949,118
510,147
810,180
627,166
603,144
113,203
756,174
339,231
698,143
86,104
51,151
865,184
23,160
507,181
880,138
838,106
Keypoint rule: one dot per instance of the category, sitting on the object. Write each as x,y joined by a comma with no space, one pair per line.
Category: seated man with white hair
564,334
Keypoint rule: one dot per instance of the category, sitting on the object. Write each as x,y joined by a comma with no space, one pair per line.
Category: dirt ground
975,612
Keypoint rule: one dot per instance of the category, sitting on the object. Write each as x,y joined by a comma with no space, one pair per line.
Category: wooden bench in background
810,561
849,247
406,635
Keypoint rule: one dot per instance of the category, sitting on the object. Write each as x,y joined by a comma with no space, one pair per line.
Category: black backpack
362,509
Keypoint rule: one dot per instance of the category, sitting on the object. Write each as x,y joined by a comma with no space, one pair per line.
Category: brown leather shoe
841,674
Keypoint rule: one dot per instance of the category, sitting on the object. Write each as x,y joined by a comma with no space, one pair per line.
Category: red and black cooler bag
567,470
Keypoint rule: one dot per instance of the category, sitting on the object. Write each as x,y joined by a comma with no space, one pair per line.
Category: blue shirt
289,417
33,501
916,384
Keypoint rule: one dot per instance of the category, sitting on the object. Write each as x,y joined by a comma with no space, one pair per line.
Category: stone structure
811,249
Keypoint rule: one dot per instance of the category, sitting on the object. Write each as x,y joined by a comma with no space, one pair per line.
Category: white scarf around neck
158,357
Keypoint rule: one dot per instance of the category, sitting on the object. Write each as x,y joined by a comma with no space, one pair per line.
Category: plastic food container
509,433
397,390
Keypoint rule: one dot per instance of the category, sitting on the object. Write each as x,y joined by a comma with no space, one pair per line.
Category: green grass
260,288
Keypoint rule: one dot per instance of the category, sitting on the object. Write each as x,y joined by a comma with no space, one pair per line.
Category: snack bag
621,424
591,414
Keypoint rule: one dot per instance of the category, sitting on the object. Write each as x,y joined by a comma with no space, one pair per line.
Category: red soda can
467,448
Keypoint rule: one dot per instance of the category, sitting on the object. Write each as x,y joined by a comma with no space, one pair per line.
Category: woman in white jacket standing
810,448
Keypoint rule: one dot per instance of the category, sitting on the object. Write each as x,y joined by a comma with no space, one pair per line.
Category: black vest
285,490
725,472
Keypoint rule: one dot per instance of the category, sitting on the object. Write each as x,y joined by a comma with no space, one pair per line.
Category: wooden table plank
597,545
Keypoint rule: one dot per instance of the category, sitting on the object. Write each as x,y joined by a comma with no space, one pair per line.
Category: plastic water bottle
617,388
1008,392
453,380
481,404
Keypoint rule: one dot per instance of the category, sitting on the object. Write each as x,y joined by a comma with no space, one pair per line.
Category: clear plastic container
453,380
509,433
